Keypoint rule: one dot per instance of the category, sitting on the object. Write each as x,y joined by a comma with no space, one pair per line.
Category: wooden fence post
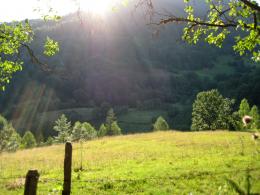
67,169
31,182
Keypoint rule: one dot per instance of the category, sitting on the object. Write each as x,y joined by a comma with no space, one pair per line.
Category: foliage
111,125
15,38
211,111
14,143
219,20
10,140
83,131
51,47
255,124
115,129
244,108
160,124
63,127
28,140
49,141
110,118
102,130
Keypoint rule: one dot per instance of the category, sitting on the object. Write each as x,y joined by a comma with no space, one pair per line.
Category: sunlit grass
153,163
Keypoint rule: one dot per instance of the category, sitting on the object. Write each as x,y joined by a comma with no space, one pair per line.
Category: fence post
31,181
67,169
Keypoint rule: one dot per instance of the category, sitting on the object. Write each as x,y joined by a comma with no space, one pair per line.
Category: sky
21,9
11,10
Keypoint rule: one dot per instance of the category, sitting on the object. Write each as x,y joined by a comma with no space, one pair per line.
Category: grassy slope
152,163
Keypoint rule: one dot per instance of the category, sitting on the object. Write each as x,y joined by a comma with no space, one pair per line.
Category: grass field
153,163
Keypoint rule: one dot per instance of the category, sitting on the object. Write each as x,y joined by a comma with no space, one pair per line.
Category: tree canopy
221,18
15,40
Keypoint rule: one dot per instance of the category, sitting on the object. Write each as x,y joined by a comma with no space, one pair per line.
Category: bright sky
21,9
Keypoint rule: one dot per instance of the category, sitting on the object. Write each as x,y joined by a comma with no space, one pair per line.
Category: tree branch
203,23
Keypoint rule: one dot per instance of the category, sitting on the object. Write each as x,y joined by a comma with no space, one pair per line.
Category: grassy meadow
152,163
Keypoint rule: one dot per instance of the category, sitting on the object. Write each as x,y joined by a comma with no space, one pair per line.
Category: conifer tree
102,130
63,127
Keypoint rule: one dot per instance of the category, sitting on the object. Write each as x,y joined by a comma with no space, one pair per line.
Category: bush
28,140
160,124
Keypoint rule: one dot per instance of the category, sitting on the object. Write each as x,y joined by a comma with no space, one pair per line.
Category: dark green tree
109,120
111,125
160,124
211,111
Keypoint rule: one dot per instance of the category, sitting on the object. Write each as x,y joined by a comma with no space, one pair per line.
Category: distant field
153,163
132,121
135,120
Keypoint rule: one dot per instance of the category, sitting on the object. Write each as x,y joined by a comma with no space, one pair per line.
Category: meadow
150,163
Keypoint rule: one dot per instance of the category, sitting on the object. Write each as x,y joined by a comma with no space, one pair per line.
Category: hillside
153,163
124,64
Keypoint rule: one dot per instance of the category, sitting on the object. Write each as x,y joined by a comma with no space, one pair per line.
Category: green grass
153,163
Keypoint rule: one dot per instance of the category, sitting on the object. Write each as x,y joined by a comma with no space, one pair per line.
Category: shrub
160,124
28,140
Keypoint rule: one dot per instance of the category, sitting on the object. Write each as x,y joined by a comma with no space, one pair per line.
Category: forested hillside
140,70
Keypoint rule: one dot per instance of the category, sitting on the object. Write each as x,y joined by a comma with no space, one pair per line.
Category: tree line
211,111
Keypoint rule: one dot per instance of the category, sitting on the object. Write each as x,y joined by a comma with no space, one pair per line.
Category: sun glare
99,7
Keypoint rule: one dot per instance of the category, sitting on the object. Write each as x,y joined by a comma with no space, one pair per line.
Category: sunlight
99,7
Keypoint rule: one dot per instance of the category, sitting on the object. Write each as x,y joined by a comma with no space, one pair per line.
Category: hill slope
152,163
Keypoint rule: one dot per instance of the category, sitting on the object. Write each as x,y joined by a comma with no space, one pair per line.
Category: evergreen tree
244,108
211,111
160,124
115,129
63,127
102,130
9,138
109,121
256,119
28,140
